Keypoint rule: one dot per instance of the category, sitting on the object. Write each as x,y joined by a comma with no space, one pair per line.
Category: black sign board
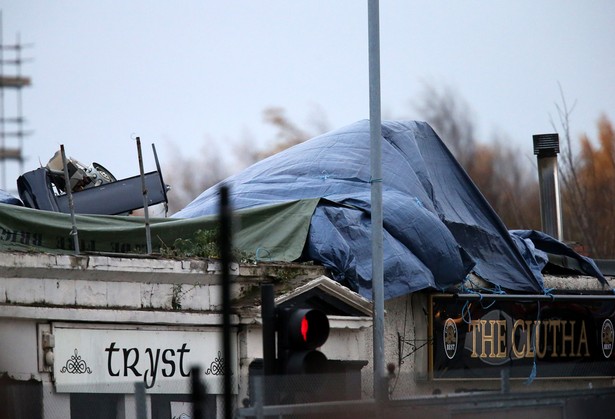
476,339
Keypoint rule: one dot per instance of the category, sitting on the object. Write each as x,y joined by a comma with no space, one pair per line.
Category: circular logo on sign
607,338
450,338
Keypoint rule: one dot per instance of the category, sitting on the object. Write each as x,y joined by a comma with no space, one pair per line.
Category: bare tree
288,133
576,215
189,176
503,177
598,175
449,115
589,187
499,171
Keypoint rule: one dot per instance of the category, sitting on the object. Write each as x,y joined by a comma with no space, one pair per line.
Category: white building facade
79,335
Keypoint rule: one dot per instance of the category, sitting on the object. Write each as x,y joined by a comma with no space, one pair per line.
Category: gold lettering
486,338
516,351
541,337
496,338
554,325
583,340
568,338
528,338
501,327
529,347
474,324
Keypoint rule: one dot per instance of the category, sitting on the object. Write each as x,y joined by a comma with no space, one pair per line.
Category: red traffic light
307,328
304,328
300,332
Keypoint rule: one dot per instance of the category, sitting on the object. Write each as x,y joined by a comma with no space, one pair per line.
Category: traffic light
300,332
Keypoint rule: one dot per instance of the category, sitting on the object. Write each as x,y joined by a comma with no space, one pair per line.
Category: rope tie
259,258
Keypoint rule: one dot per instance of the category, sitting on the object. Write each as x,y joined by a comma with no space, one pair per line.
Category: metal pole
165,187
141,410
505,380
20,132
71,205
198,393
148,234
225,255
535,297
376,198
259,395
2,126
268,316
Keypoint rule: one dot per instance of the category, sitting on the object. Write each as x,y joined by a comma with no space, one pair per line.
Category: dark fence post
198,394
226,256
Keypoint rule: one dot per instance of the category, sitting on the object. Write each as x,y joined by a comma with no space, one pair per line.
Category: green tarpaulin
273,232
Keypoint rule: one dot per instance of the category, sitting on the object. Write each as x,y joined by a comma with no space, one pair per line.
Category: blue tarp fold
437,226
7,198
539,245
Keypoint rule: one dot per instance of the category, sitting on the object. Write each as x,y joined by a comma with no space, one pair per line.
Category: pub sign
476,339
97,358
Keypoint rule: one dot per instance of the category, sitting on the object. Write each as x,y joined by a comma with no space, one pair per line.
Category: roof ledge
333,289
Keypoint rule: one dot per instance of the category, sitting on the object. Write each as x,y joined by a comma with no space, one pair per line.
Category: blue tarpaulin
7,198
437,226
538,246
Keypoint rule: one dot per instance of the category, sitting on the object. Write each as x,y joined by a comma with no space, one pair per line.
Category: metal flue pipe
546,148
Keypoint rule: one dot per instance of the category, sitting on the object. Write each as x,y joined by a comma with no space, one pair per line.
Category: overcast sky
189,74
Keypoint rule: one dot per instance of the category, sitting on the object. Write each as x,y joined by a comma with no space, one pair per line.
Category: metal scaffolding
11,123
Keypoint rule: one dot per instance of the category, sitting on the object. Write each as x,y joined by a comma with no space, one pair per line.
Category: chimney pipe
546,148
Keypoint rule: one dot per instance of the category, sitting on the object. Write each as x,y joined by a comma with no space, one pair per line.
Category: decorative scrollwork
76,365
217,367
